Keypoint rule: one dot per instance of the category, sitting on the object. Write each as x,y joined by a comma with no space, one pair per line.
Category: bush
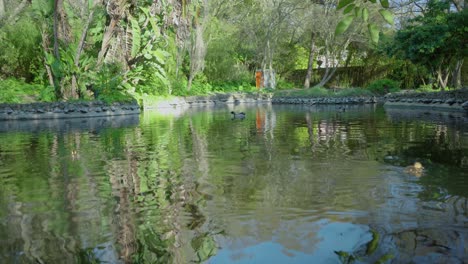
16,91
426,88
384,86
116,96
312,92
283,84
351,92
47,94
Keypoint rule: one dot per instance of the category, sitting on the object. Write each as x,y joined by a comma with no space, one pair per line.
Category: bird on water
240,115
416,169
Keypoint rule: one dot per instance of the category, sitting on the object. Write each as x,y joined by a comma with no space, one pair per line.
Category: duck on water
240,115
416,170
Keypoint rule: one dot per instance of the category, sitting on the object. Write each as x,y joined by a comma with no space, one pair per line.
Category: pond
286,184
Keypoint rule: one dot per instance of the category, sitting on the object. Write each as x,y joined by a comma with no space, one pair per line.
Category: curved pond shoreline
456,100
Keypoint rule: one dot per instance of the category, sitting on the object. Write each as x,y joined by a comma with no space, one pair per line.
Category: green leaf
373,244
384,3
385,258
160,56
349,8
373,32
365,14
136,37
344,3
373,1
49,58
152,20
56,68
387,15
343,25
43,7
358,11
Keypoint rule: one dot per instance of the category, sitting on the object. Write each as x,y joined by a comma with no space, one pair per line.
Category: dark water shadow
427,115
69,125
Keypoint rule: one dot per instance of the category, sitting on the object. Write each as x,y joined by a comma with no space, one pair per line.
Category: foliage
296,92
283,84
20,55
47,94
353,9
15,91
435,40
358,255
354,92
323,92
384,86
145,47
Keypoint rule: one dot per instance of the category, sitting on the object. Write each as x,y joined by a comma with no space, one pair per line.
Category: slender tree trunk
442,78
198,47
74,84
190,80
57,81
45,47
310,64
456,77
329,74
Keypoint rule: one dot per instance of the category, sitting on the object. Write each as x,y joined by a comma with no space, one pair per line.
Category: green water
287,184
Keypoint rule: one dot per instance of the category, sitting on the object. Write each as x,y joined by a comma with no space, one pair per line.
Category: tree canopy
121,48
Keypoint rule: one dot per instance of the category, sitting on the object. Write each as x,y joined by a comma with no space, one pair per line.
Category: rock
465,106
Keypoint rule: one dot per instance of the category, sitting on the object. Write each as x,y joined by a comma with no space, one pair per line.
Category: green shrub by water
354,92
384,86
15,91
323,92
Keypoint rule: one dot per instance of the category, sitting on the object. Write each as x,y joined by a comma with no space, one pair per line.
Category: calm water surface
288,184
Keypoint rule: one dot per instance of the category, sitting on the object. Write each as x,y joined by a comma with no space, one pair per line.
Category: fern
136,38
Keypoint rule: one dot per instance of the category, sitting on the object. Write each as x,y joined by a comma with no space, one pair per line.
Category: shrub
427,88
47,94
16,91
312,92
350,92
384,86
283,84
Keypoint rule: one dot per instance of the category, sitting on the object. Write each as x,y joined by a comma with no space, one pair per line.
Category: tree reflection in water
288,183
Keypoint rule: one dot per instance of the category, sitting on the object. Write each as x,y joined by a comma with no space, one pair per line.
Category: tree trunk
190,80
45,47
74,84
57,80
456,75
198,47
310,63
442,78
337,58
